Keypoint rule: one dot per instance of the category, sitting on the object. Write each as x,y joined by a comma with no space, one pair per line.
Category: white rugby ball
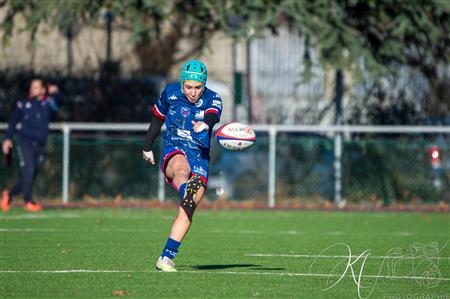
235,136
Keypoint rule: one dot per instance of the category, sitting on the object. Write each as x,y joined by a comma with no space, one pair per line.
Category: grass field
101,253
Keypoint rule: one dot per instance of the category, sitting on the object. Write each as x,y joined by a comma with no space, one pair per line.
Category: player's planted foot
4,205
165,264
32,207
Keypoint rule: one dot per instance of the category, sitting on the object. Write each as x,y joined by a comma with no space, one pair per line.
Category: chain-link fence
374,168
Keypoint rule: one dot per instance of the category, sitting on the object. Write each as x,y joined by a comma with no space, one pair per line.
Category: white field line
40,216
258,232
47,230
80,216
244,232
26,230
227,272
68,271
335,256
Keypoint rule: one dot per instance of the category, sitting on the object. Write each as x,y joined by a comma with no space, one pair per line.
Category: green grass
219,257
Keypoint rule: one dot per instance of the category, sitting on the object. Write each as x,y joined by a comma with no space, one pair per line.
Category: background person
34,115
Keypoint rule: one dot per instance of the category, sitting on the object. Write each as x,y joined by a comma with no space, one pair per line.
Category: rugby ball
235,136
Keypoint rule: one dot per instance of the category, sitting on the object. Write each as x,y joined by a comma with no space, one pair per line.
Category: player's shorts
198,165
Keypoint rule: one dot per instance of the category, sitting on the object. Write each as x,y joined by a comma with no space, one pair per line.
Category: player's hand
200,126
7,146
148,156
53,89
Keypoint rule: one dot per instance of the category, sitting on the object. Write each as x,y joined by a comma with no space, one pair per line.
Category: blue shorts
198,165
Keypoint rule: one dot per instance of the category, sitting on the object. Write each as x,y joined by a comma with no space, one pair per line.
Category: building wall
49,52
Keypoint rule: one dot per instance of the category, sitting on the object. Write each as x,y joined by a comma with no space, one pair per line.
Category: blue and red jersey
179,113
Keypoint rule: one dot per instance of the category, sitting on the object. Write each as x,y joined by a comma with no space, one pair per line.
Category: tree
156,26
375,36
378,37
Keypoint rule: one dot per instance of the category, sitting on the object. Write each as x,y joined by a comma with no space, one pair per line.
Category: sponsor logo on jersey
173,97
28,105
200,170
185,134
172,112
199,103
185,111
217,103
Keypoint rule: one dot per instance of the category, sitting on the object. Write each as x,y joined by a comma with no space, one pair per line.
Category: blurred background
316,79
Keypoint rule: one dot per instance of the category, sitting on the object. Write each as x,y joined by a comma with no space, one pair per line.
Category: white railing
272,130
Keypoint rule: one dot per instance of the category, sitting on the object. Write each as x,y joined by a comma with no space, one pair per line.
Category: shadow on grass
228,266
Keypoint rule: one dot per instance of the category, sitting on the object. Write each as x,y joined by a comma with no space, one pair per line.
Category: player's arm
152,133
158,117
212,116
15,118
208,123
55,98
211,119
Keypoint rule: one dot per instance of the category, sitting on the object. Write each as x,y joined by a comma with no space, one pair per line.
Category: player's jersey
178,113
34,116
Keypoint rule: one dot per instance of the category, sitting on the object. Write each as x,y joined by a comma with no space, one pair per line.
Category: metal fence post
339,94
161,183
272,172
337,167
66,152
